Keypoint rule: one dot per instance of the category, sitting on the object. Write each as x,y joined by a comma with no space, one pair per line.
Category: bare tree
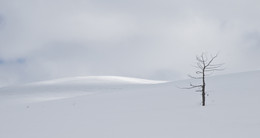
205,67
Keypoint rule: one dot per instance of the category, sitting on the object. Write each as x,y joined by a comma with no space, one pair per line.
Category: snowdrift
98,80
71,87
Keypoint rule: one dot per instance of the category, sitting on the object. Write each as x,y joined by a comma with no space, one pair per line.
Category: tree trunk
203,88
203,96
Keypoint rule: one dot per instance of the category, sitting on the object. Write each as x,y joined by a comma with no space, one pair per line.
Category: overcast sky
46,39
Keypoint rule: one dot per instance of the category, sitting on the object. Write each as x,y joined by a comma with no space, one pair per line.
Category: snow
121,107
100,80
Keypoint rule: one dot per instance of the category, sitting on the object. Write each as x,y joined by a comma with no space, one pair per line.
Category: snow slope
87,80
71,87
123,109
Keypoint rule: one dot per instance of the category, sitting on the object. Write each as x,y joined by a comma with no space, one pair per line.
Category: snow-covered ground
120,107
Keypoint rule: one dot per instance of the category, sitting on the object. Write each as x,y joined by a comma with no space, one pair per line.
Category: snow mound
99,80
64,88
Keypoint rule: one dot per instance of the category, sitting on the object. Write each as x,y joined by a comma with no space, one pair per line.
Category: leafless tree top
205,64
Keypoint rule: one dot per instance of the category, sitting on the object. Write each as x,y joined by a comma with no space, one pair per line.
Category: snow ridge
99,80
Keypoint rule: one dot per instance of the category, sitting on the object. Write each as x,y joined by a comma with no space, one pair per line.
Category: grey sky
45,39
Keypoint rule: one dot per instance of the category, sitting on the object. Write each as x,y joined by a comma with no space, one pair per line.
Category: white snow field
120,107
